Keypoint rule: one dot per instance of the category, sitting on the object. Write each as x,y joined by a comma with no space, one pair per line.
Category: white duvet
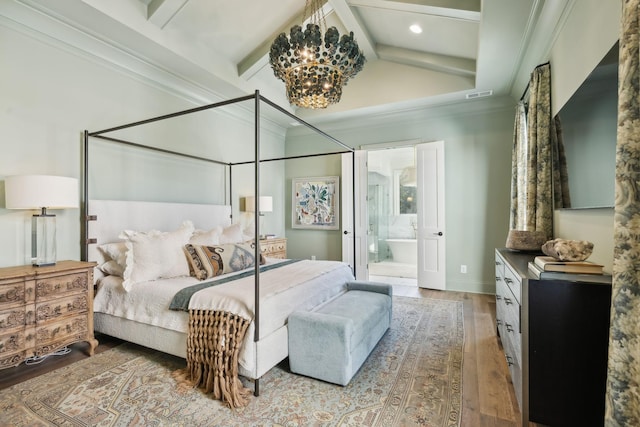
301,285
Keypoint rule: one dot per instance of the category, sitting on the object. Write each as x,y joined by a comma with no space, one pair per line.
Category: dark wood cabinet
563,340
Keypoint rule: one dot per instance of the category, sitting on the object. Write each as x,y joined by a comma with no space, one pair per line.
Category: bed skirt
269,351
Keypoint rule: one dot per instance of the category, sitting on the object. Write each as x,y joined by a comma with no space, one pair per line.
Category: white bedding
300,285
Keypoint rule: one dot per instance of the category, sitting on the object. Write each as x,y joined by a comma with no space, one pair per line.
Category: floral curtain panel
538,162
623,382
519,171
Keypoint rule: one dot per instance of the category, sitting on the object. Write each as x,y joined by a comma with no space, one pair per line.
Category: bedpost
84,217
256,315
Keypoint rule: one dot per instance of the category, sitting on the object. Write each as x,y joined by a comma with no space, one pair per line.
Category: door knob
439,233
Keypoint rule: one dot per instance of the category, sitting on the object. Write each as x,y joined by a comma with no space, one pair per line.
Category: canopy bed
136,245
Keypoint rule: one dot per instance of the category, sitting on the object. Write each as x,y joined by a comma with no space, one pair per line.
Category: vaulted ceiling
467,48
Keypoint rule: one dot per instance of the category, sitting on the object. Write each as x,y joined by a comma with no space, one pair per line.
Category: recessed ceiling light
416,29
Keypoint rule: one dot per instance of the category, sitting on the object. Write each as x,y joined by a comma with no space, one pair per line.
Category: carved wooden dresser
43,309
274,248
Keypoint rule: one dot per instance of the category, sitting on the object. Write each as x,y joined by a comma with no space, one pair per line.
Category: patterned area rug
412,377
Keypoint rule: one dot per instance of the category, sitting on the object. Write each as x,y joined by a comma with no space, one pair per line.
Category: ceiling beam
415,7
259,57
353,23
160,12
432,61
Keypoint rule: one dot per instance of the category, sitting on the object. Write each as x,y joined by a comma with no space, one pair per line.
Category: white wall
51,93
477,180
578,48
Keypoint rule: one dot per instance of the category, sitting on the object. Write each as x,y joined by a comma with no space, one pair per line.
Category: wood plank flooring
488,396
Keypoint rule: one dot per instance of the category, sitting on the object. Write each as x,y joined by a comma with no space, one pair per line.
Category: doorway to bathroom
392,205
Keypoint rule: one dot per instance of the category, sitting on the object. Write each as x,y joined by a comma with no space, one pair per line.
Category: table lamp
41,192
266,205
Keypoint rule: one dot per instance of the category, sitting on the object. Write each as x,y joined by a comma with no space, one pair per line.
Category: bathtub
403,250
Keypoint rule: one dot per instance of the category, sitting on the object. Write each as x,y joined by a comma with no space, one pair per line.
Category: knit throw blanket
213,345
214,339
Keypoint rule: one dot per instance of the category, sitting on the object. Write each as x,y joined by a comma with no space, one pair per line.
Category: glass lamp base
43,240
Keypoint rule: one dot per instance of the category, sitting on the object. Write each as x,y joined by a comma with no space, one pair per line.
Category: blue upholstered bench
332,342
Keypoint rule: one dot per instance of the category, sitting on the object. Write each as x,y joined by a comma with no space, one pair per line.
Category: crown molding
409,116
34,22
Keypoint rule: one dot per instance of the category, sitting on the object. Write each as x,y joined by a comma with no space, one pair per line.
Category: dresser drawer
515,369
274,248
17,317
54,335
499,269
57,286
513,282
16,341
61,307
16,292
508,320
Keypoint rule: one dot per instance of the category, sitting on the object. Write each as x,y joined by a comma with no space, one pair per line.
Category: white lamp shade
266,204
40,191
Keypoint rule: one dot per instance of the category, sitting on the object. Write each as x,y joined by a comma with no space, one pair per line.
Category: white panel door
430,230
354,235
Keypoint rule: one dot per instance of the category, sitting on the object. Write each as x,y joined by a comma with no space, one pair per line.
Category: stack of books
546,267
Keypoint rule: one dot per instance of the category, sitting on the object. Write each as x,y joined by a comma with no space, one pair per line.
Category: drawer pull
509,327
498,297
498,322
498,278
508,301
508,281
498,263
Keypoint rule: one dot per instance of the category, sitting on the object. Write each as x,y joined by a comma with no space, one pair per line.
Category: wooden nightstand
274,248
43,309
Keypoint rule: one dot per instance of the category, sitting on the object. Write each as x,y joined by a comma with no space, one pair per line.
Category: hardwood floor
488,396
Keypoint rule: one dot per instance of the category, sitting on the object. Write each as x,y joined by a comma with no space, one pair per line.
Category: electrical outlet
463,269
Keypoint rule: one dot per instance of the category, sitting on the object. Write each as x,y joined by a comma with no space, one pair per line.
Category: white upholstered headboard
113,216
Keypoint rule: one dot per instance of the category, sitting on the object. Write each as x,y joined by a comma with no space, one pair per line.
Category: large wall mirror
589,126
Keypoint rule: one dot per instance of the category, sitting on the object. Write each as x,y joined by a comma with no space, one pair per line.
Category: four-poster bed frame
257,98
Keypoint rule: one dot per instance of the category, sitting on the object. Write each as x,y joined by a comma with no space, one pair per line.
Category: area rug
412,378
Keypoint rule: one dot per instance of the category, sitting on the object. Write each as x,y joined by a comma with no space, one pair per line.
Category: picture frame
315,203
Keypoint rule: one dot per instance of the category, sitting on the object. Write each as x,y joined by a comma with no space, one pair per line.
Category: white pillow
116,251
206,237
112,268
155,255
231,234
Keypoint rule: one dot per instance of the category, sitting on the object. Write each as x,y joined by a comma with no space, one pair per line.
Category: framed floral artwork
315,203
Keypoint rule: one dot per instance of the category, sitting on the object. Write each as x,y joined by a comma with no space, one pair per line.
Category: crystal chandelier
315,67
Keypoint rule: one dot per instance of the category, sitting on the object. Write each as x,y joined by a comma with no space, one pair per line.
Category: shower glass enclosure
379,211
391,207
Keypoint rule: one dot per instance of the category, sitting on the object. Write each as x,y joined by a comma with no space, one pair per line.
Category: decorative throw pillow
116,251
112,268
206,237
231,234
210,261
155,255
